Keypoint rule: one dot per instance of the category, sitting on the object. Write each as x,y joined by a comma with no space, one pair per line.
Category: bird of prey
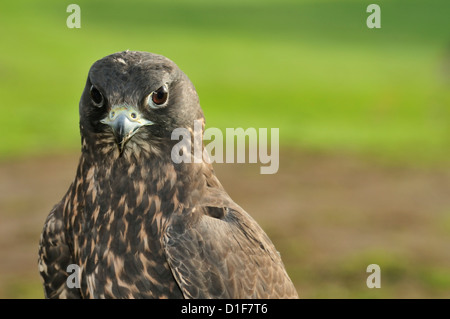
134,222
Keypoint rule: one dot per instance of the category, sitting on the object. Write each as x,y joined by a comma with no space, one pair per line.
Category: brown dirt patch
329,215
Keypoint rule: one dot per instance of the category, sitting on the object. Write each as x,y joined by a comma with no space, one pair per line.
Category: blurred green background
379,98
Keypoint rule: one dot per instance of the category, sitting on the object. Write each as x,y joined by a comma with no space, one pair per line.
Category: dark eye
96,96
159,97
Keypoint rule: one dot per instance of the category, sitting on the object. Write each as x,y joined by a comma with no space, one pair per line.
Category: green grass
311,68
25,287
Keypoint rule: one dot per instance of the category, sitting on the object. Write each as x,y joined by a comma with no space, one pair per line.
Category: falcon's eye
158,98
96,96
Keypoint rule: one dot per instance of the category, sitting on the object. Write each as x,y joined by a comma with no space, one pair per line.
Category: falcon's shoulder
221,252
55,256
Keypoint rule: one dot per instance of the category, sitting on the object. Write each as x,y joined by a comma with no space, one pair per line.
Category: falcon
135,223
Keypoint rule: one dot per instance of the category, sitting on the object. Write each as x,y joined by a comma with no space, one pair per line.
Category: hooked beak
125,121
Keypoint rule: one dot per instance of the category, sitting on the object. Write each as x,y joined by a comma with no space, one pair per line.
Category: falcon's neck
139,177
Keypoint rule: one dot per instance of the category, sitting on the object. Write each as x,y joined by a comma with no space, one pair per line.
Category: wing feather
54,257
228,257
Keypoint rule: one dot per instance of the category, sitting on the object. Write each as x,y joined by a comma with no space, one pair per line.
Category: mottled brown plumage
139,225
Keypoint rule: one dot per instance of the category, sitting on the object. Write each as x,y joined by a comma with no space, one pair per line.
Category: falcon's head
133,99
